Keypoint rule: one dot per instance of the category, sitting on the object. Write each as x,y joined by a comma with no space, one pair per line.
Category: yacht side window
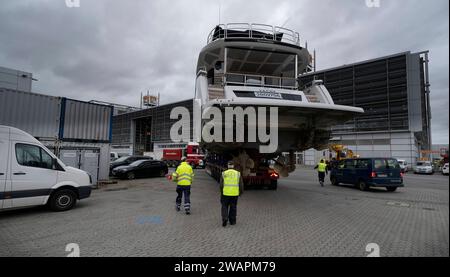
33,156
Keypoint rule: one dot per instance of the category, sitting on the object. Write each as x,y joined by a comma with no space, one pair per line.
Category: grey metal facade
55,118
33,113
142,128
392,91
86,121
63,125
15,79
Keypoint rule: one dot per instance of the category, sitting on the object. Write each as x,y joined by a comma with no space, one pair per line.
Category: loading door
90,163
84,159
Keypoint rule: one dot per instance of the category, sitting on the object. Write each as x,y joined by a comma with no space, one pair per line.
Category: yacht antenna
220,4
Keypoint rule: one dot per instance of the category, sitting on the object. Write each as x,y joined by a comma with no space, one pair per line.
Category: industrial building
79,133
15,79
146,131
394,92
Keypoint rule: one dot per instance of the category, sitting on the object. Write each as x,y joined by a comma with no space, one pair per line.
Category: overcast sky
112,50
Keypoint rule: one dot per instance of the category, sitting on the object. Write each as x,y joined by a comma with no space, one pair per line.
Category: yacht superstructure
257,65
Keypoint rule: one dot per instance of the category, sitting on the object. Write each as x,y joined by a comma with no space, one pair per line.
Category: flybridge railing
260,81
254,31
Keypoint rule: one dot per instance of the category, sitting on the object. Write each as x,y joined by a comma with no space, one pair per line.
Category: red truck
192,152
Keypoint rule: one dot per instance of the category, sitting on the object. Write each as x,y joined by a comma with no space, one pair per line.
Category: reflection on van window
33,156
393,163
363,164
379,164
386,163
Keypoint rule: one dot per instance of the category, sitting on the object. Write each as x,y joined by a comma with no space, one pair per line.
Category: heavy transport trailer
257,170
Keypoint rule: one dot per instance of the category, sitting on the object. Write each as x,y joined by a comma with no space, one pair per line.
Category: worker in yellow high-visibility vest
322,169
183,176
231,186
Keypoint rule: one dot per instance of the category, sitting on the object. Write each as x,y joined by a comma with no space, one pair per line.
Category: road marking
398,204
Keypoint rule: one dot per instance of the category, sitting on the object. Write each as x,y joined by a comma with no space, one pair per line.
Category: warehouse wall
86,121
61,123
15,79
399,145
124,131
36,114
390,90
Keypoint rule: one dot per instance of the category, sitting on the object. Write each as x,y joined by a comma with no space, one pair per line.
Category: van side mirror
56,165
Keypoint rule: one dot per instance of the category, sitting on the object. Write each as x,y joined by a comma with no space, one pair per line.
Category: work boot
224,223
232,223
177,208
321,183
188,212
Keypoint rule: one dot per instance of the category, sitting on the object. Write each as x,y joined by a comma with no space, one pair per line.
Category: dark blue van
368,172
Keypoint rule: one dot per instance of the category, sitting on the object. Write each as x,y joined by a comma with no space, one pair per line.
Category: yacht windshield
260,68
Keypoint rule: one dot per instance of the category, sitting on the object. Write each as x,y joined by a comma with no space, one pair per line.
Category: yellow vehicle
342,152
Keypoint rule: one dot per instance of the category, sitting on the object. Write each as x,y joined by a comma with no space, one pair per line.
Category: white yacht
257,65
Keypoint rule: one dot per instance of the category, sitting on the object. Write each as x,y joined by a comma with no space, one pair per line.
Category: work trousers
229,208
321,176
186,191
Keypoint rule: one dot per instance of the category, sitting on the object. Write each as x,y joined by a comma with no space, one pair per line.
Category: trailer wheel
273,185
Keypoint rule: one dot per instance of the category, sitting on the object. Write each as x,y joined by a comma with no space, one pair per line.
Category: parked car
31,175
368,172
445,169
126,160
141,168
403,165
424,167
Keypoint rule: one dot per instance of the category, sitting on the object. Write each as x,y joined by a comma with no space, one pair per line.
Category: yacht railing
254,31
259,81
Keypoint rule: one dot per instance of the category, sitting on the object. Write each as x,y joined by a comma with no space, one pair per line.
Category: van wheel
391,189
363,186
130,176
334,181
63,200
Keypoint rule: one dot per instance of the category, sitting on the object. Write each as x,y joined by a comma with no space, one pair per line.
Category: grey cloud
112,50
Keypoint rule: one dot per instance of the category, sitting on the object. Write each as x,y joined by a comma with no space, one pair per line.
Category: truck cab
31,175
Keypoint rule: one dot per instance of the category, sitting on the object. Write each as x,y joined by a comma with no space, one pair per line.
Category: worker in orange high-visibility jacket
231,187
183,176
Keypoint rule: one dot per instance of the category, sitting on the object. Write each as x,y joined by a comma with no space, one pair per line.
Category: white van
31,175
403,165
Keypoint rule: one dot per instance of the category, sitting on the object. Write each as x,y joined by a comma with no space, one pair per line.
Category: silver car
424,167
